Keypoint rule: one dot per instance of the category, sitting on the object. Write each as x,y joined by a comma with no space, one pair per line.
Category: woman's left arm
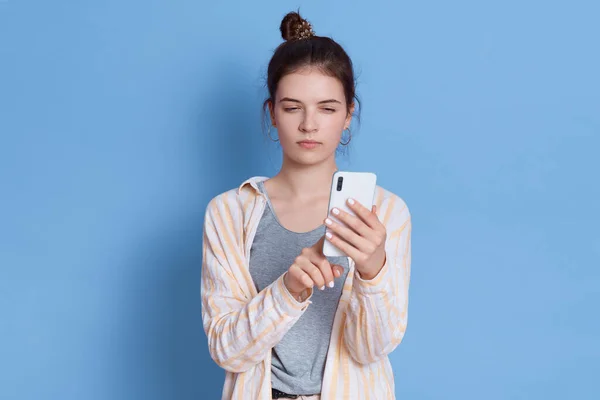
376,316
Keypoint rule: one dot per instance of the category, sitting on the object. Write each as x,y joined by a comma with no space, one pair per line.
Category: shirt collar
252,182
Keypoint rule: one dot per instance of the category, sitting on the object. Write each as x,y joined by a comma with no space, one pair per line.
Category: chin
311,159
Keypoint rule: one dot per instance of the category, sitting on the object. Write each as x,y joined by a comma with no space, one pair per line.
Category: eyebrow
321,102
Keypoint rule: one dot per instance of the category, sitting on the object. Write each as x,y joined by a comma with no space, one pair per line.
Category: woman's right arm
241,331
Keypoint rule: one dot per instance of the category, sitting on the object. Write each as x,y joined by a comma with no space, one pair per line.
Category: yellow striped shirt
243,325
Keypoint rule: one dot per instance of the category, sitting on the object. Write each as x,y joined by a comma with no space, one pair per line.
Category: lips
308,144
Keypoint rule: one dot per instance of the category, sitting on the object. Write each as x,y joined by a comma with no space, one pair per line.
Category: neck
303,181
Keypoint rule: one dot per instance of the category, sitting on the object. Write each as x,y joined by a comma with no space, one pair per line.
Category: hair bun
294,27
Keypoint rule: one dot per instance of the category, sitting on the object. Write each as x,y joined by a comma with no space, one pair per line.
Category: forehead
310,85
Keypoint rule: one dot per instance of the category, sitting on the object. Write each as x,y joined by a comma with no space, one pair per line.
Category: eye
290,109
329,110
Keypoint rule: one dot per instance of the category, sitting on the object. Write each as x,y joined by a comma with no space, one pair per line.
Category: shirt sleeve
241,331
377,312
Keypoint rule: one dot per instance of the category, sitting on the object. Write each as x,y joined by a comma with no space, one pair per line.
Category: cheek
333,124
287,124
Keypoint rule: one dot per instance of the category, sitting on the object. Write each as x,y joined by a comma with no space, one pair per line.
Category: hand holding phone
359,186
354,229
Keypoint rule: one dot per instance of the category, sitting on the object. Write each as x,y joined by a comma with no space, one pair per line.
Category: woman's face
310,115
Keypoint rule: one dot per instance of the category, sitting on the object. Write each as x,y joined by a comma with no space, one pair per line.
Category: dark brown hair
302,48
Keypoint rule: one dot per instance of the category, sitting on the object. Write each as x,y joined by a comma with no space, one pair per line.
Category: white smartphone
357,185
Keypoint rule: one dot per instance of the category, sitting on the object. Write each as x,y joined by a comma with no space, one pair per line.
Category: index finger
317,258
366,215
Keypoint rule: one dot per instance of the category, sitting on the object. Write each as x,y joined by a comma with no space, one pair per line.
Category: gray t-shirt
299,358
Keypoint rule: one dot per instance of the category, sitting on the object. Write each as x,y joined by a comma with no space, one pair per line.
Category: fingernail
335,211
328,234
331,284
328,221
323,287
337,273
351,201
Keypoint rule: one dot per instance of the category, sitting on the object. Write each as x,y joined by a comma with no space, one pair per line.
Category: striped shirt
243,325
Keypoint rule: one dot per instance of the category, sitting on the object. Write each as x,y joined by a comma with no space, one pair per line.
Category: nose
309,122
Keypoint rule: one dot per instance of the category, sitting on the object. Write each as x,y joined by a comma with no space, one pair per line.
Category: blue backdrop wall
119,120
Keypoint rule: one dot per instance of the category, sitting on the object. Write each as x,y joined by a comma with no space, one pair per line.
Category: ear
350,114
271,112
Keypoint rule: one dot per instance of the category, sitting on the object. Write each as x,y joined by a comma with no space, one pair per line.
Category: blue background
119,120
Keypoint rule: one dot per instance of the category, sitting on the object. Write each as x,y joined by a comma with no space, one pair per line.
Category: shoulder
233,199
391,208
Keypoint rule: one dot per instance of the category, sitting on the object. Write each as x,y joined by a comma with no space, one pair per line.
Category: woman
283,320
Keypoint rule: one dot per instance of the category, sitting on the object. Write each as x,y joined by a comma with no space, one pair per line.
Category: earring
349,137
269,135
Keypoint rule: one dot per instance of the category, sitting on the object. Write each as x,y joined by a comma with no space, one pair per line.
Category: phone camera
339,183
